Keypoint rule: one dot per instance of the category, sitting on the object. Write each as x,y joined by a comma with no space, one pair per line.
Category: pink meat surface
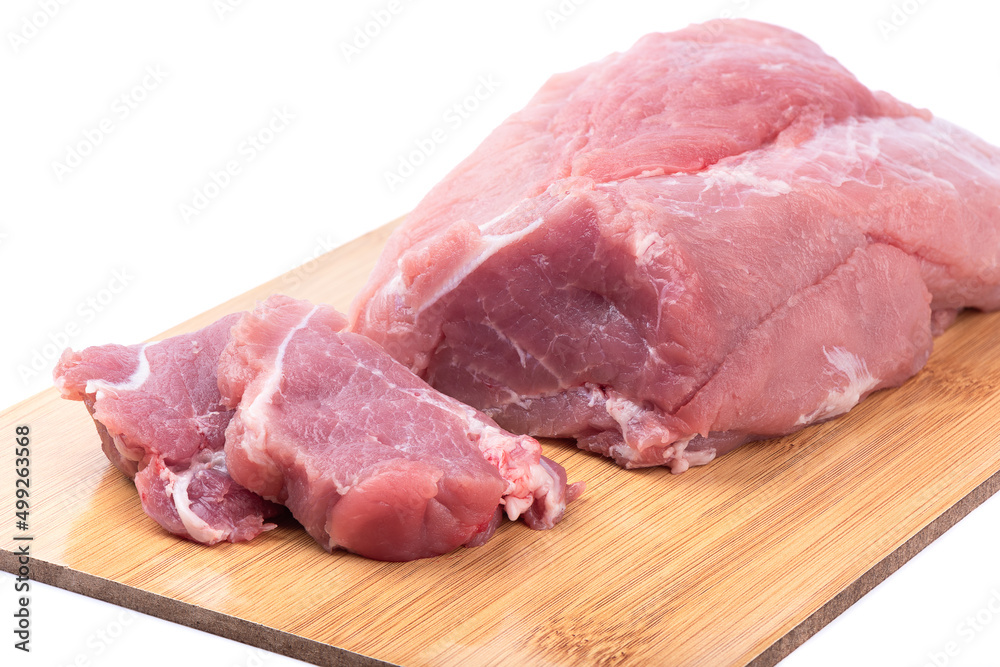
159,414
367,456
689,245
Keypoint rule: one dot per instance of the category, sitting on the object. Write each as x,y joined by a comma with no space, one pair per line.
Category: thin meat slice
714,237
367,456
157,409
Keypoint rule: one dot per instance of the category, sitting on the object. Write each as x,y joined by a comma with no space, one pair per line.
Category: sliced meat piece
690,245
367,456
157,409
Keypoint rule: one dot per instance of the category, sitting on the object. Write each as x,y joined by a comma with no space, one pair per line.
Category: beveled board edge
193,616
875,575
325,655
319,653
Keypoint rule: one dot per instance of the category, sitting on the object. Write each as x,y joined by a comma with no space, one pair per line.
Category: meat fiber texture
367,456
689,245
158,410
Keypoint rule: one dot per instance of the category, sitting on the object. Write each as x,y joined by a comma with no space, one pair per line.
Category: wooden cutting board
734,563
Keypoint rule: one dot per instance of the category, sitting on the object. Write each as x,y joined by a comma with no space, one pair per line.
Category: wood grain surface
734,563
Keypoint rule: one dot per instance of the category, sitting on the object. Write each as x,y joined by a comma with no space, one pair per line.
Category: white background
100,251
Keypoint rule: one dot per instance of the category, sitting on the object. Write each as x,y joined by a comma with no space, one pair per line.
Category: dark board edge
875,575
192,616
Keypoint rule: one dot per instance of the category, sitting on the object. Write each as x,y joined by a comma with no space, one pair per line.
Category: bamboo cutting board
734,563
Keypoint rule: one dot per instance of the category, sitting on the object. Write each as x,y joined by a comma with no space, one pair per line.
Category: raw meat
699,242
367,456
157,409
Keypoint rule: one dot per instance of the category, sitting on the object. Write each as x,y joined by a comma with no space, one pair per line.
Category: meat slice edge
367,456
157,410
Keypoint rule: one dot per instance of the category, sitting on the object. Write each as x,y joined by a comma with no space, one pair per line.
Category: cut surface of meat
157,409
367,456
689,245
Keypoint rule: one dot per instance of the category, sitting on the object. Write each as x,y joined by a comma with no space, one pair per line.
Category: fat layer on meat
714,237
